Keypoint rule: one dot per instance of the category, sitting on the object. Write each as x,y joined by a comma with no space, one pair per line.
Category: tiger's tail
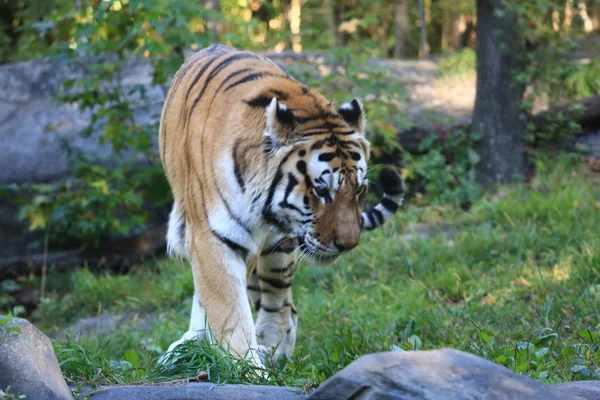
393,196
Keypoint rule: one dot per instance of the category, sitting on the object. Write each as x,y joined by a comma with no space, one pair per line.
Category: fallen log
584,112
117,254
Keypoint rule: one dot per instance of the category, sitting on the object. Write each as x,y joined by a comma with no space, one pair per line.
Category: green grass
457,65
518,283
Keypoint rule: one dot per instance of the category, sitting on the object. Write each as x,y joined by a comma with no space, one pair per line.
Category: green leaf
132,358
415,342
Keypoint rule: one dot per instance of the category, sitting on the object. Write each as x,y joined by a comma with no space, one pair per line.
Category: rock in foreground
28,364
438,375
190,391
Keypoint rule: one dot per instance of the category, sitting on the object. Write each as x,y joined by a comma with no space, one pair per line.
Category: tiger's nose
345,244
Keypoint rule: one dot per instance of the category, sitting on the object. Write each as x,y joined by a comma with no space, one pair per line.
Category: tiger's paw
273,357
172,354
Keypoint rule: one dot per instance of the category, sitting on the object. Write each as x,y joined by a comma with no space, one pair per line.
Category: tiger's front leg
271,292
220,271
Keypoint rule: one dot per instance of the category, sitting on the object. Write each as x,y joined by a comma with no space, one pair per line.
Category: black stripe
393,192
197,78
292,183
283,246
279,94
314,132
326,157
389,205
260,101
325,116
371,220
268,214
222,65
276,283
230,77
239,249
252,77
348,143
237,170
282,269
233,216
378,215
354,155
182,227
289,206
344,133
261,290
271,310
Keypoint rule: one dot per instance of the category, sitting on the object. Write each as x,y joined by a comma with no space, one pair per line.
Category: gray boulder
589,390
33,126
190,391
28,364
436,375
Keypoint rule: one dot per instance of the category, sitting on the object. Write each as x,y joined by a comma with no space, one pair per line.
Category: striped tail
393,195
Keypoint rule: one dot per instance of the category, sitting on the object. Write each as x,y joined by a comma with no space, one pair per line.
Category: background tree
401,28
497,115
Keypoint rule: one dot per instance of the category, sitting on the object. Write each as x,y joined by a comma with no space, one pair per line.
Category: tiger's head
321,183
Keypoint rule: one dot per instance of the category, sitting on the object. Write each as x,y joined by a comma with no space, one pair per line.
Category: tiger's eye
321,191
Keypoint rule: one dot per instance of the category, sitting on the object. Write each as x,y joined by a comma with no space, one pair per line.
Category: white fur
198,329
271,115
175,244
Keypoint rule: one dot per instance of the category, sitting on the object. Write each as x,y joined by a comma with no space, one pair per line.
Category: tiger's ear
354,115
280,123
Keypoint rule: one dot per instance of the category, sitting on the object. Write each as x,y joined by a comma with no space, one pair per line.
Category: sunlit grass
518,283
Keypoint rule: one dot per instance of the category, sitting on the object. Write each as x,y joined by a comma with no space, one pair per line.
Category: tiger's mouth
323,259
315,255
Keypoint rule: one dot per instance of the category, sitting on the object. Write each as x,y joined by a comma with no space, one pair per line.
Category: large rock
436,375
28,364
589,390
33,126
191,391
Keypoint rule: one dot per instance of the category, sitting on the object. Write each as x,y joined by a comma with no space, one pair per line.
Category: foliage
457,65
446,171
457,279
553,67
7,394
344,74
7,331
109,196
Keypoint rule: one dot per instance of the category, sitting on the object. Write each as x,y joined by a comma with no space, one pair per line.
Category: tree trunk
213,26
582,10
595,10
400,27
568,16
293,16
424,47
331,24
497,115
450,28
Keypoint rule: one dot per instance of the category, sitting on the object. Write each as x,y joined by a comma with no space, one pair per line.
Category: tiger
263,171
